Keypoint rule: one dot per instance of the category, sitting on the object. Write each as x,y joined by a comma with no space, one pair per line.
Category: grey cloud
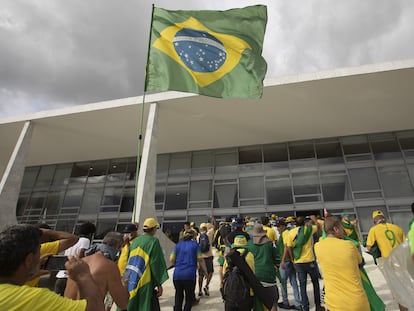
57,53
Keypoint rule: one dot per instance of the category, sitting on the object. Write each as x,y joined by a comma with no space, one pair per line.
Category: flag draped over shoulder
146,269
213,53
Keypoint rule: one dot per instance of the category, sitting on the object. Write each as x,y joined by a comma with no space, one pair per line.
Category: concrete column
12,177
145,188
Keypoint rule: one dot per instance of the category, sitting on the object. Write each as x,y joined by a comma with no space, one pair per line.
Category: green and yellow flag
213,53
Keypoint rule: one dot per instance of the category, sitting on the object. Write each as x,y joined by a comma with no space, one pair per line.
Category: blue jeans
303,269
289,273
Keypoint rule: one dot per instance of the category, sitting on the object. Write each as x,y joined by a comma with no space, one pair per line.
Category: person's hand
282,265
77,269
159,290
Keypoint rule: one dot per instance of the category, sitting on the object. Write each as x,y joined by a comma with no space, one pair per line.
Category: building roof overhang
347,101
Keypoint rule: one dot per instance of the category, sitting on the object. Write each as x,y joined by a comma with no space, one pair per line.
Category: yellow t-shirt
339,261
26,298
270,233
307,251
45,248
388,236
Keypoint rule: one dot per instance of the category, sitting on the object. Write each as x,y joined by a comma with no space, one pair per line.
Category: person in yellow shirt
61,240
387,236
20,260
130,233
339,260
270,232
299,244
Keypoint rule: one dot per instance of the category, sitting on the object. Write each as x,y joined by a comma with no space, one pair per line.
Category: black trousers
184,287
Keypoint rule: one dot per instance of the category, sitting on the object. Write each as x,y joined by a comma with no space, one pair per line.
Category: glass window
159,193
335,188
37,200
395,181
79,173
305,183
66,224
200,190
132,168
278,192
53,202
117,171
406,140
355,145
251,187
301,151
128,197
112,196
21,204
250,155
402,219
62,174
92,199
29,177
45,176
275,153
329,153
386,149
176,197
103,227
98,171
202,159
225,196
226,162
364,179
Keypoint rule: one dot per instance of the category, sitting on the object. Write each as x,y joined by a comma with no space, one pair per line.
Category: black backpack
204,243
236,290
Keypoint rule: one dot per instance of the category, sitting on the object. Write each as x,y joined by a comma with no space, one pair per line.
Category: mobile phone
55,263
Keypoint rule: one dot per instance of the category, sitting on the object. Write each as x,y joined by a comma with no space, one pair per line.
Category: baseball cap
130,228
150,223
377,213
239,241
289,219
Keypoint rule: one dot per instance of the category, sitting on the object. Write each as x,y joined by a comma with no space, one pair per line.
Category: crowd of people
257,259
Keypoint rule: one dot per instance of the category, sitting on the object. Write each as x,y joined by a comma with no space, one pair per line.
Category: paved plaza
215,303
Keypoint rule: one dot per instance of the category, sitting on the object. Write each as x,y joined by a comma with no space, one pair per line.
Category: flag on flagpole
213,53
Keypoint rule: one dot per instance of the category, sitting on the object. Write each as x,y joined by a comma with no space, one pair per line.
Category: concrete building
341,140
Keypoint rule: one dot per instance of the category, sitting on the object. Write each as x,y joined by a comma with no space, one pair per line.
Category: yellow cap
377,213
150,223
289,219
239,241
274,216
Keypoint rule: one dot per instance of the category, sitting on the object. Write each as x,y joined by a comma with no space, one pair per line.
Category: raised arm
66,239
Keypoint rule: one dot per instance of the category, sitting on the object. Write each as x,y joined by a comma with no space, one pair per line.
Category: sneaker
200,293
283,306
296,307
206,291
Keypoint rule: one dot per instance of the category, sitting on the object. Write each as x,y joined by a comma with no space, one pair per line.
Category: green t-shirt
265,260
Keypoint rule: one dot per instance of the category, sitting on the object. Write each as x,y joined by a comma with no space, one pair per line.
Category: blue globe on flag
199,50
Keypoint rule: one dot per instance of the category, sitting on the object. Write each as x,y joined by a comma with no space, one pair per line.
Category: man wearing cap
387,236
286,269
299,247
237,228
146,269
130,233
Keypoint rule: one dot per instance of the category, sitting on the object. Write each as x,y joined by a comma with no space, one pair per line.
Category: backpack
224,232
204,242
236,290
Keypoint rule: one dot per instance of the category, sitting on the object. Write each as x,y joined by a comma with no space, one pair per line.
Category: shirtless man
101,260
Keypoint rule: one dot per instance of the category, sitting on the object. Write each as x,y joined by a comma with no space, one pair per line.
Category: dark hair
412,207
16,242
264,220
187,223
87,228
43,226
300,221
331,222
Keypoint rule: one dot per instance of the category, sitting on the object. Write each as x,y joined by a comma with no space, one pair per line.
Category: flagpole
139,151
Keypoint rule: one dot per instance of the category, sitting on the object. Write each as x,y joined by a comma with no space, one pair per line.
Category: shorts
209,265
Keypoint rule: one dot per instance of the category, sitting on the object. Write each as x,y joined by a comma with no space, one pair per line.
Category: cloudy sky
60,53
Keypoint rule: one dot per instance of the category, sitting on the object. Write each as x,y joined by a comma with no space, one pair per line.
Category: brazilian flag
213,53
145,270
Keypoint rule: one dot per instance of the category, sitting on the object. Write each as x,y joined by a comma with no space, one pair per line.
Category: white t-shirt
83,243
